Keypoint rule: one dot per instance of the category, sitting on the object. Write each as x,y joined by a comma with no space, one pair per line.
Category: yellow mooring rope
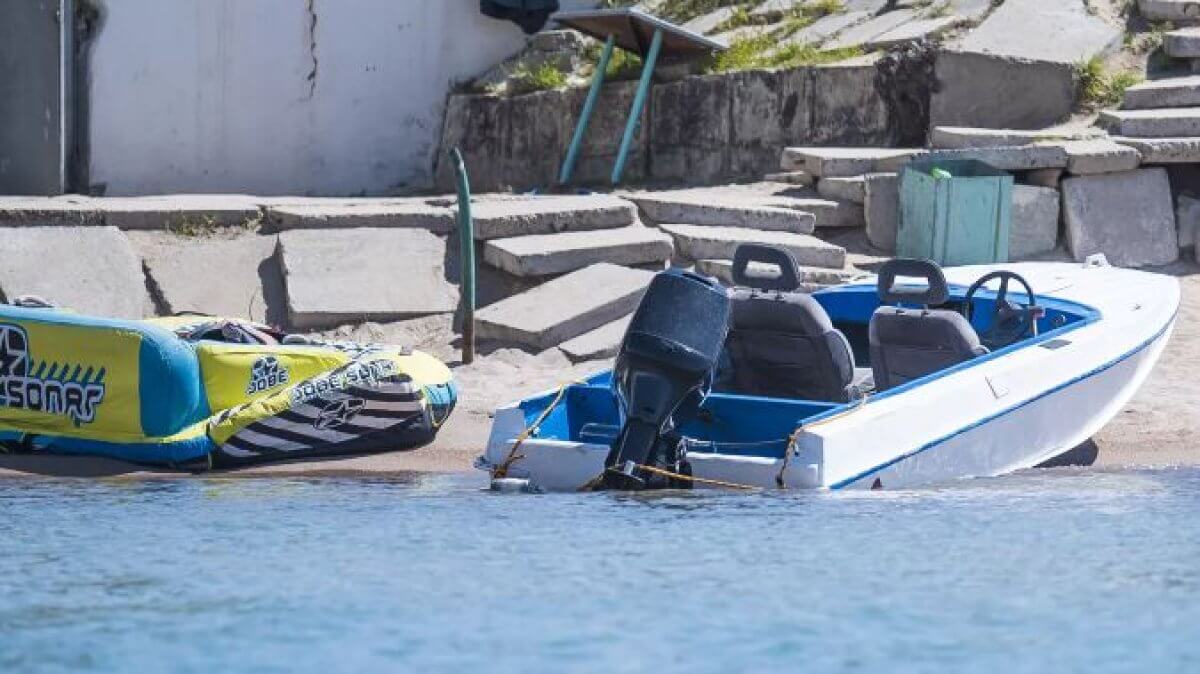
501,470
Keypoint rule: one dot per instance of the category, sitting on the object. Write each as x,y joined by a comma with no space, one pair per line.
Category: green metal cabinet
960,218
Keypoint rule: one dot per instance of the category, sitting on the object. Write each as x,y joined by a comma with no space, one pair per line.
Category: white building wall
255,96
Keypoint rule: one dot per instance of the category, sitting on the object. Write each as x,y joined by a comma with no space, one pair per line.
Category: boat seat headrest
935,291
788,279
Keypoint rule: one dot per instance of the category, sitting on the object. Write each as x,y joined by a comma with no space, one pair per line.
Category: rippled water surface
1049,571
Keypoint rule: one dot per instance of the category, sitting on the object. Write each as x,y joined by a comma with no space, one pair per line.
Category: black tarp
530,15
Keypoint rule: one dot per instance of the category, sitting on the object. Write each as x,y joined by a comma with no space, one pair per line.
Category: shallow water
1060,570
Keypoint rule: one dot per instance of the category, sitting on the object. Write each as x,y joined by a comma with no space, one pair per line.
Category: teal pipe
466,238
639,102
589,105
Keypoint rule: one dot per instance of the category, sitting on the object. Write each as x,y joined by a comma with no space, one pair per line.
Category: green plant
543,77
682,11
1100,88
193,226
743,54
760,52
821,8
740,17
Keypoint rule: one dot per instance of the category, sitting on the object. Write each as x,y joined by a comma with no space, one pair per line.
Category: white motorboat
878,383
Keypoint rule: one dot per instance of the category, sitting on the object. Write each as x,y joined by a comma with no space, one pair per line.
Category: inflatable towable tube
199,391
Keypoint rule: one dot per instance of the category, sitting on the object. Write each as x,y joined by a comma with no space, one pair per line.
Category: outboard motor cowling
669,354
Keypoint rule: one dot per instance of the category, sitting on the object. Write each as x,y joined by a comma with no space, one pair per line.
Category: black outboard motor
668,356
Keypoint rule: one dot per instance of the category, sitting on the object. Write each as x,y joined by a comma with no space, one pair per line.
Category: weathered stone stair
1161,118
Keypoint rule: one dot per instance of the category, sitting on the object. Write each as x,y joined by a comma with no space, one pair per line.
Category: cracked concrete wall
321,97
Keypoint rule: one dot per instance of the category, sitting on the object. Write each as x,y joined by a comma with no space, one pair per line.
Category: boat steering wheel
1011,321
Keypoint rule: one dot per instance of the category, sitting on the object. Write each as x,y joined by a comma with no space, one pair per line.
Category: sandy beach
1156,429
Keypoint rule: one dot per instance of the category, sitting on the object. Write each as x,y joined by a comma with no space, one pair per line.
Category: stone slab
133,213
333,277
603,342
1128,216
1183,43
1035,217
1164,150
864,33
1170,92
961,137
706,242
1043,177
800,178
91,270
851,188
564,308
706,23
1187,219
695,208
179,211
546,254
882,209
503,218
382,213
65,211
833,162
828,212
1170,10
234,276
1062,31
1086,157
774,10
1020,158
1155,123
1002,92
826,27
911,31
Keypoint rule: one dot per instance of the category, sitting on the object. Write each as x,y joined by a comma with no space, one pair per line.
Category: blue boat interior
735,423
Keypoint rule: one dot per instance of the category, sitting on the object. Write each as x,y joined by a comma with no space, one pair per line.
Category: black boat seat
781,342
909,343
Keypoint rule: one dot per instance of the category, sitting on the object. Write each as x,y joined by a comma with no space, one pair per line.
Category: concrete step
811,277
1183,43
1086,157
565,308
720,208
1184,11
602,342
705,242
852,188
1164,150
828,212
498,218
961,137
1153,123
334,277
241,274
1017,158
800,178
92,270
545,254
350,213
832,162
1172,92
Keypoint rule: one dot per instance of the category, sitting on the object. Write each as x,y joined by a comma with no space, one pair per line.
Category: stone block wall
702,129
